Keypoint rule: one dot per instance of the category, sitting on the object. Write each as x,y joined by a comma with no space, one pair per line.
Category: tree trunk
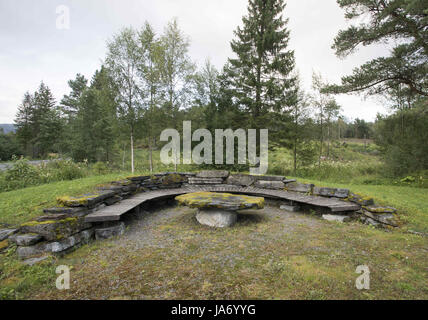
132,152
295,140
150,155
295,156
329,138
321,138
124,154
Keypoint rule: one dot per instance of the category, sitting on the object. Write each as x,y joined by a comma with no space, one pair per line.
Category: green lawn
412,203
22,205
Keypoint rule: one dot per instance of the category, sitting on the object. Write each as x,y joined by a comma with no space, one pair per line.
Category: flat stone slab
336,218
241,180
380,209
290,208
85,200
5,233
205,180
225,201
270,178
26,239
216,218
213,174
273,185
299,187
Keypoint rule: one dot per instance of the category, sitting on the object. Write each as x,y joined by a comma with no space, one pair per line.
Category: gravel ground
140,229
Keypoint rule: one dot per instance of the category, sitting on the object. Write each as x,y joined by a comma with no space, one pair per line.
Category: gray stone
370,221
336,218
360,200
270,178
5,233
82,237
26,239
388,219
202,181
54,230
273,185
63,210
342,193
213,174
290,208
109,232
316,191
115,188
27,252
52,217
33,261
139,178
240,180
130,188
289,181
87,200
327,192
380,209
299,187
216,218
224,201
113,200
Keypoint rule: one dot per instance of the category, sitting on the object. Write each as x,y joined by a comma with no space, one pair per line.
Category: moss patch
219,200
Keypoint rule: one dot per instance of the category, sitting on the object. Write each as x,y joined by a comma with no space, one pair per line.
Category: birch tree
122,61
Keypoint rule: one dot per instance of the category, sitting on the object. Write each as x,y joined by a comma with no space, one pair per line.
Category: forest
148,82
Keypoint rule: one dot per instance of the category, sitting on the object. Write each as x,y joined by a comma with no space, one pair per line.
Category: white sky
32,48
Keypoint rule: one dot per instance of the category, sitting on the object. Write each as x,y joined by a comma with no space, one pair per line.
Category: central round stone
217,218
219,209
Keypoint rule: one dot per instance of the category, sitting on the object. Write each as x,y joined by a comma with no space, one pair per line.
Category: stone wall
62,228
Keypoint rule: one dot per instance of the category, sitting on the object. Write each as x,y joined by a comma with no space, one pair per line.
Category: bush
23,174
64,170
100,168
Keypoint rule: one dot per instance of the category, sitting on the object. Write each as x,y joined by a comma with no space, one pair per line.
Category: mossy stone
224,201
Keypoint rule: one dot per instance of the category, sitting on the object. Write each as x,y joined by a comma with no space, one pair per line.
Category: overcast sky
32,48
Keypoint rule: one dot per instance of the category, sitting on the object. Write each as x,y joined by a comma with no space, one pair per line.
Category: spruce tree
261,76
23,122
70,103
45,122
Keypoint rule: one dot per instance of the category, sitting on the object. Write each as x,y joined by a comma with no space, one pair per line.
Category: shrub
21,174
65,170
100,168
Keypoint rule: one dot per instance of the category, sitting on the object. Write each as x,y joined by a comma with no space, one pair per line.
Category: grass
265,256
23,205
411,202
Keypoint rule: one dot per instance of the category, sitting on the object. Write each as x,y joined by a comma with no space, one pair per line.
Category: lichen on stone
173,178
36,223
220,201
